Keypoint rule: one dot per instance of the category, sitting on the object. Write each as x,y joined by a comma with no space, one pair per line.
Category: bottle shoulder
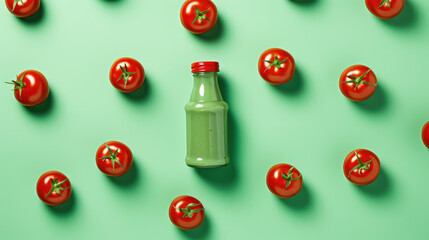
206,106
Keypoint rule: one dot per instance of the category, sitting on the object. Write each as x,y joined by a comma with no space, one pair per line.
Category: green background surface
307,122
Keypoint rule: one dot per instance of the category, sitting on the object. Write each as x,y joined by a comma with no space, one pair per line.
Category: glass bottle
206,119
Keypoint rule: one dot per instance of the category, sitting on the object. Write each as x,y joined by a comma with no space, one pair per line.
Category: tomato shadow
66,208
140,94
45,107
302,201
201,232
35,18
380,187
225,176
304,2
129,179
294,86
215,33
376,103
406,19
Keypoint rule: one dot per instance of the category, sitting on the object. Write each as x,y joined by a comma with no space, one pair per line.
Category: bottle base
206,163
207,166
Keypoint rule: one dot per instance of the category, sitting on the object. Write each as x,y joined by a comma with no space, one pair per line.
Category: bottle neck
206,88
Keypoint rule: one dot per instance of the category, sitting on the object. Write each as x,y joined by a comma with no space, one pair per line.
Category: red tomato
53,188
23,8
198,16
385,9
358,83
127,75
186,212
284,180
31,88
114,158
361,167
425,134
276,66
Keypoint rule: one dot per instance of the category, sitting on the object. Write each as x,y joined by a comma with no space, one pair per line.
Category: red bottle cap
209,66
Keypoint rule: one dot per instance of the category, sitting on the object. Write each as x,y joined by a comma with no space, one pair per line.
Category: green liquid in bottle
206,124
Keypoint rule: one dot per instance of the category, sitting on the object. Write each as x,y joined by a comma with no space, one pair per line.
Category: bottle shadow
376,103
225,176
201,232
407,19
129,179
381,187
111,1
66,208
44,108
140,94
294,86
302,201
215,33
304,2
35,18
